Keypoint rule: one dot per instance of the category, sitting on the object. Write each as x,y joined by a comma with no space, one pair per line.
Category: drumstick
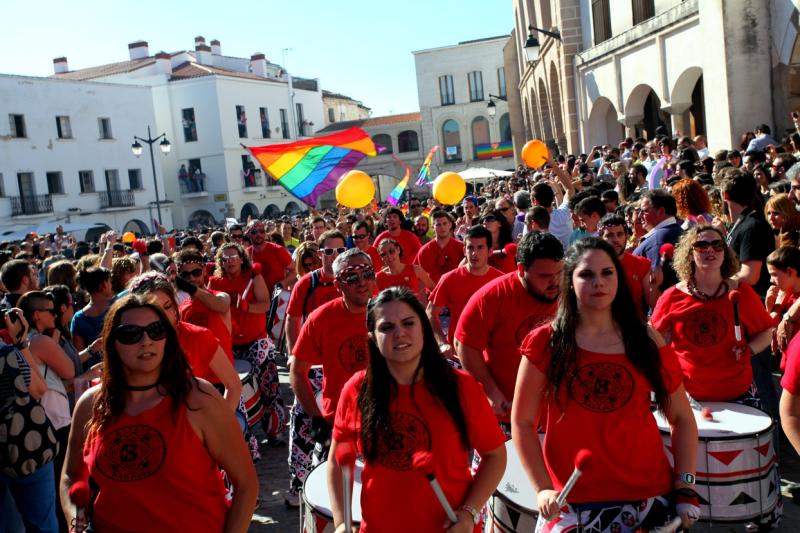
256,269
671,527
734,296
81,495
582,460
666,251
346,457
423,463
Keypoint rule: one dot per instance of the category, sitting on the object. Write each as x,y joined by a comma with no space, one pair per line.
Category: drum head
731,420
315,491
515,486
242,367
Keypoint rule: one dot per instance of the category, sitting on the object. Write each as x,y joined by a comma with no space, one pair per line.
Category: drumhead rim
515,504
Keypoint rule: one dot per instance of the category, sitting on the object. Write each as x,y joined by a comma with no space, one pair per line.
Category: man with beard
443,254
421,227
393,220
642,282
497,318
275,261
334,336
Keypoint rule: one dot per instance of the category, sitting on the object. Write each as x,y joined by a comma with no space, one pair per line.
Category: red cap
666,250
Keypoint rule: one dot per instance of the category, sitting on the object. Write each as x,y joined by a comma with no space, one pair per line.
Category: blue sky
359,48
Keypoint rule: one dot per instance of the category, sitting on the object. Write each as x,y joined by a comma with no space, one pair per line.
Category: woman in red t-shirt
587,378
411,400
696,316
396,273
153,438
503,253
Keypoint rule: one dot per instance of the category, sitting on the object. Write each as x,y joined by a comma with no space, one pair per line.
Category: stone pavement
273,473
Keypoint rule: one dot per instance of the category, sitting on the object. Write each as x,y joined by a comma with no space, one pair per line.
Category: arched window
407,141
451,139
480,135
385,141
505,128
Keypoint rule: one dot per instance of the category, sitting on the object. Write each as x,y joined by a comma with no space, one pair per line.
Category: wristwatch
685,477
476,516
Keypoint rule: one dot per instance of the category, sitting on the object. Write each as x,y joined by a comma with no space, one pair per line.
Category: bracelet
788,318
476,516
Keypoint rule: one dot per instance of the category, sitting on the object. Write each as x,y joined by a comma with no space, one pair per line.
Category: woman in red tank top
152,438
396,273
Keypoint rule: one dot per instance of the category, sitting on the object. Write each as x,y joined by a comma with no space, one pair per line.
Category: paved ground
273,516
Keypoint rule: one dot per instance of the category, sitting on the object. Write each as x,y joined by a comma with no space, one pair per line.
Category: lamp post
532,44
491,108
165,146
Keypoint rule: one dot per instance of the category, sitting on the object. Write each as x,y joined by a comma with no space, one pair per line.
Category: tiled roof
106,70
189,69
372,122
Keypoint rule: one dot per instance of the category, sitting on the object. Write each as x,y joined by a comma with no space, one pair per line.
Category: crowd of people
565,300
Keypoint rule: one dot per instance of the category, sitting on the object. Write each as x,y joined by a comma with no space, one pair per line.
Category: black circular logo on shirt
408,434
529,324
705,328
353,353
602,387
131,453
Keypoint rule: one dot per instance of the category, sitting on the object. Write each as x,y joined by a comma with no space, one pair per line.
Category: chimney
163,63
138,50
60,65
258,65
203,54
198,41
215,48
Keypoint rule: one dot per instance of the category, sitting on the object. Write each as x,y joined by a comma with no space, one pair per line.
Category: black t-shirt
752,240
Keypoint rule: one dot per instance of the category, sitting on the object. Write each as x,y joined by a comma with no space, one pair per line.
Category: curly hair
690,198
120,266
683,260
219,271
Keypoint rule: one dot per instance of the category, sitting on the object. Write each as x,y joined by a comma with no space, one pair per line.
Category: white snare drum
317,516
737,470
512,507
251,395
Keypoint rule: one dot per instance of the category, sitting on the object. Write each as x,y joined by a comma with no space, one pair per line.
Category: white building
456,85
208,105
65,155
342,108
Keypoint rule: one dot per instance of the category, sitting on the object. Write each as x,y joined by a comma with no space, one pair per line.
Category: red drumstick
423,463
346,457
583,460
81,496
666,251
734,296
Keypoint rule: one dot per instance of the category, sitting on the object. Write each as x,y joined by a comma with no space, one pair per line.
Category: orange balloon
534,153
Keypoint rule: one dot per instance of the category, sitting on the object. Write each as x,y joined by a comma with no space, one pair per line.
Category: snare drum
513,505
251,395
317,516
737,470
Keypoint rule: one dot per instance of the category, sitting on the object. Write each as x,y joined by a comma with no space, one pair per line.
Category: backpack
315,282
27,437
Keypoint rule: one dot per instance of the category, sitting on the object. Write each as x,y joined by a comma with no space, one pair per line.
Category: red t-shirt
605,408
496,319
635,269
199,346
437,261
408,242
504,262
406,278
702,335
791,376
335,338
323,293
377,262
247,327
274,259
455,288
418,423
785,305
196,312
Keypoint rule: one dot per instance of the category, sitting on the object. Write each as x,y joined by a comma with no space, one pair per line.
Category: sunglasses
490,218
330,251
355,277
717,245
131,334
359,237
196,273
51,311
237,236
226,258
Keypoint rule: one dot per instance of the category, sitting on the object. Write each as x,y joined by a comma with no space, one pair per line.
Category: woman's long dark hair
641,350
175,379
379,387
61,295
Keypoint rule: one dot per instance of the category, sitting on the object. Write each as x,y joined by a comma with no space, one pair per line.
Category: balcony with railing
31,205
120,198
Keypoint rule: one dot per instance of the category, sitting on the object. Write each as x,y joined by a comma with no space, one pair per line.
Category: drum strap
316,281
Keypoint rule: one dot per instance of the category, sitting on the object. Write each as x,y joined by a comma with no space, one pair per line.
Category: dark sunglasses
359,237
355,277
489,218
717,245
331,251
131,334
196,273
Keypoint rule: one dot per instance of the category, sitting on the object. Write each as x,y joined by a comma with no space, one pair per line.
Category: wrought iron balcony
31,205
120,198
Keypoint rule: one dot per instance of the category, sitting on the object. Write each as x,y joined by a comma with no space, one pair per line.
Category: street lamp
532,44
491,108
165,146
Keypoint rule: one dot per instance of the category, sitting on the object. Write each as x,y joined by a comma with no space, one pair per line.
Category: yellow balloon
355,190
449,188
534,153
128,236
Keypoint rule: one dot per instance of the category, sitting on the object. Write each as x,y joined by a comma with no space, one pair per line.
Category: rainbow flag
310,167
397,192
424,175
492,150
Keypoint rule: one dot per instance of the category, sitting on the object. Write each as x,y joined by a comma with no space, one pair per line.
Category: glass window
86,177
480,134
505,128
241,121
55,184
301,120
105,128
501,82
63,128
475,79
17,123
446,90
264,115
451,138
135,178
407,141
189,125
331,115
285,125
385,141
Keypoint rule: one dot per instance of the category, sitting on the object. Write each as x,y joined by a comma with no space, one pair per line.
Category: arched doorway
480,135
272,211
292,209
688,93
505,127
644,105
201,217
136,226
603,126
93,234
451,138
248,210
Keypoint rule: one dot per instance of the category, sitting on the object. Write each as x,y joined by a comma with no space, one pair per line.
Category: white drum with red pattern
317,515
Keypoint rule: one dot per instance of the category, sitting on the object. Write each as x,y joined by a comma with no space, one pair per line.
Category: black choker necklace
141,387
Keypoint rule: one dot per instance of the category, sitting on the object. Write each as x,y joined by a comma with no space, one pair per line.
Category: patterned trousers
301,446
610,517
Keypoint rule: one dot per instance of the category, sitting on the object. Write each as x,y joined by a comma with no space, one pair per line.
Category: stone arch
292,208
688,102
136,226
684,85
201,217
384,140
451,141
556,108
602,127
248,210
272,211
643,112
93,234
545,114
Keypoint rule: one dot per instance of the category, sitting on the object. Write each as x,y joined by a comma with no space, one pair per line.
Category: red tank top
155,474
196,312
247,327
406,278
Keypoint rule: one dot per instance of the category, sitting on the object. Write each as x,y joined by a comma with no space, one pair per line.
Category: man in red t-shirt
638,273
335,336
361,234
275,261
455,287
499,316
444,253
393,219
